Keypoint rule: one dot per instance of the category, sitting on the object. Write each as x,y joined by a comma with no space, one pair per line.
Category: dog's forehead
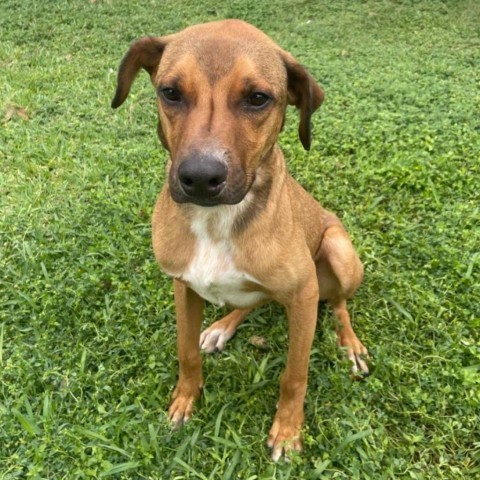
218,46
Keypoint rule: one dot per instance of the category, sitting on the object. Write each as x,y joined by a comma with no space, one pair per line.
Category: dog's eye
170,94
257,99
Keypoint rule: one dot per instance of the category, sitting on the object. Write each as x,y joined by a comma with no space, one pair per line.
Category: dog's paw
356,353
284,439
181,407
214,338
360,367
358,356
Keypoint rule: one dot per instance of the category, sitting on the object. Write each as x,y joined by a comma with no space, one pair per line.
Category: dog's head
222,90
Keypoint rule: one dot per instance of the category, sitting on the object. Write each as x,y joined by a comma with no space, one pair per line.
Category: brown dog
231,226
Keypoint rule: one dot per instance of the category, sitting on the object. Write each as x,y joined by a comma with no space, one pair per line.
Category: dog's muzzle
206,181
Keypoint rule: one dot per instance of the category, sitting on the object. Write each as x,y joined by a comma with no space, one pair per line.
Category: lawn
87,325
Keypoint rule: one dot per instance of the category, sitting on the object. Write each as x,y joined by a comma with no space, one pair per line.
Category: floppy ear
144,53
304,93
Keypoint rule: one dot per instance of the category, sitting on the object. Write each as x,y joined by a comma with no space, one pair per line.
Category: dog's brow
253,83
171,81
216,60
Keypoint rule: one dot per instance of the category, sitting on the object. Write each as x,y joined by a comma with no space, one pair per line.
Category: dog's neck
218,222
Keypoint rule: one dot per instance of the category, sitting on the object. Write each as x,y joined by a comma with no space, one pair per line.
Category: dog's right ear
144,53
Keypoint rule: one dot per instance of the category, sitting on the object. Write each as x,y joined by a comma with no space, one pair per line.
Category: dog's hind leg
214,338
347,338
340,272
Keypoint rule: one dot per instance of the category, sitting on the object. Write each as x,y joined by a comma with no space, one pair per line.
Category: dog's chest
212,272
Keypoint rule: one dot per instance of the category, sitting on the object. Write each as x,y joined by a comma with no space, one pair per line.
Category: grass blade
27,423
189,469
350,439
231,467
401,310
2,328
119,468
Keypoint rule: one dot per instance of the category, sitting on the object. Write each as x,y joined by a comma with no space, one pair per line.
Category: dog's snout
208,180
203,177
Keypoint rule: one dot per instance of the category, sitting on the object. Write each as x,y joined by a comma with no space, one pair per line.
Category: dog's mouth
209,183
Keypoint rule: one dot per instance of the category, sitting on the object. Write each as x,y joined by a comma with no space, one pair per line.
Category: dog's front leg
189,308
285,434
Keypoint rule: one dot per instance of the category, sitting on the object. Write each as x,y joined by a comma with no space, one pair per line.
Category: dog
231,226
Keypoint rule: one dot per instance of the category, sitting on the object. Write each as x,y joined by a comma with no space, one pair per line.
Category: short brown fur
268,228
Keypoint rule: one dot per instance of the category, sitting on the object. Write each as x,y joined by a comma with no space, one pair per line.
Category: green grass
87,329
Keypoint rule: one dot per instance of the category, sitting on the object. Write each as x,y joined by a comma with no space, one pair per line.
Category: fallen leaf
14,111
259,342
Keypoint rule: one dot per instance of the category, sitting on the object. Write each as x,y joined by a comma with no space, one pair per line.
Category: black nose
202,177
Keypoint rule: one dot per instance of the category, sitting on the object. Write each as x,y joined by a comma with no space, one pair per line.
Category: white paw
214,339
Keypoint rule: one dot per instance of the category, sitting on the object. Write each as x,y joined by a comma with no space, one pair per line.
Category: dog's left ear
304,93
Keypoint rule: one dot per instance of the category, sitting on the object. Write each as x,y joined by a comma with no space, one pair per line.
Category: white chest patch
212,272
